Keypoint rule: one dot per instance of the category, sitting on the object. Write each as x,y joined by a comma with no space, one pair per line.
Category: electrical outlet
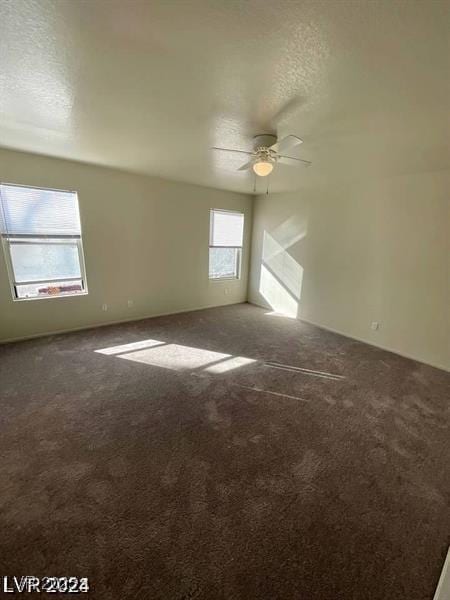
104,307
130,303
375,325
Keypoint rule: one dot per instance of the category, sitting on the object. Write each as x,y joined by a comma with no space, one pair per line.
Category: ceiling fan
268,152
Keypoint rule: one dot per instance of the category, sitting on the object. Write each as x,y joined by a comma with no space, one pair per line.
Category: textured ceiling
150,86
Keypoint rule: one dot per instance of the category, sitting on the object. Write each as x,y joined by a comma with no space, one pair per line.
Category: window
41,236
225,244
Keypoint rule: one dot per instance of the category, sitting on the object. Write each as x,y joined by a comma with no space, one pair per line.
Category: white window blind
30,211
227,229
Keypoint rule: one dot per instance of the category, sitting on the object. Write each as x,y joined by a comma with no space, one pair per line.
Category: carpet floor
223,454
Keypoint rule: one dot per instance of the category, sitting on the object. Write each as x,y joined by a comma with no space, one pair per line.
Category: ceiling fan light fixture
263,168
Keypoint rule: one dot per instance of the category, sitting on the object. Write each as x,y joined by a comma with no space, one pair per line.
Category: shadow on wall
281,276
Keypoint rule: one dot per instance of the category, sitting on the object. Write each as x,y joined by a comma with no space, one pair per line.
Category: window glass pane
223,262
46,290
42,261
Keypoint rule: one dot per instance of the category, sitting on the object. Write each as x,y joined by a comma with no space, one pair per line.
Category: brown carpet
324,476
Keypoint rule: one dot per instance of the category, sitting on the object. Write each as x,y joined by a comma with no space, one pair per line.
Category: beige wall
340,256
145,239
345,255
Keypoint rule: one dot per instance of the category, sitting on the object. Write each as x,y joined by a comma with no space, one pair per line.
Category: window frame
8,239
238,248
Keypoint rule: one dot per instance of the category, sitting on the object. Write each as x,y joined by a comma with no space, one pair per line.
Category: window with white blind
41,235
225,244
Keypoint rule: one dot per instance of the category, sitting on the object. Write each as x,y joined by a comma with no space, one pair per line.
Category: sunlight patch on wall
276,294
285,268
281,278
290,232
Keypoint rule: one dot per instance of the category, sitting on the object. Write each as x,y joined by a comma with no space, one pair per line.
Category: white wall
145,239
345,255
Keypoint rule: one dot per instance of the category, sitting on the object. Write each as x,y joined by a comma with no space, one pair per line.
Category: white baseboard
370,343
116,322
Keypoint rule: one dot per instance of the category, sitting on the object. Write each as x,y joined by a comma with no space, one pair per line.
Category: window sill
51,297
224,278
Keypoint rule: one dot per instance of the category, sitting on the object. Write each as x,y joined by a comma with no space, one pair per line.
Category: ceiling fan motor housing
262,144
264,141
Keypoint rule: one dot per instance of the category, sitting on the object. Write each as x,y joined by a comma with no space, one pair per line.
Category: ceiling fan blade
293,162
232,150
246,166
287,144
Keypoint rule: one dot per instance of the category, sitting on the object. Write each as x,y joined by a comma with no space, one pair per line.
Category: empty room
225,299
